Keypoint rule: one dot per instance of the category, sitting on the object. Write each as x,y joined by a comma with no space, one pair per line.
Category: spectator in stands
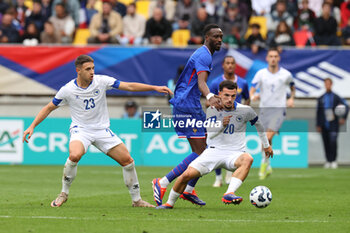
346,33
283,36
305,18
262,7
8,32
198,25
255,41
49,35
72,8
183,23
63,23
345,13
186,7
244,9
233,17
168,7
118,7
335,11
106,26
326,27
21,10
215,9
36,16
131,110
233,38
291,6
276,16
3,6
133,26
89,11
31,36
46,9
158,29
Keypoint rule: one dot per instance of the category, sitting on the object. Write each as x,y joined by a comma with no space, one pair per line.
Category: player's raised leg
160,184
179,187
76,151
120,154
243,164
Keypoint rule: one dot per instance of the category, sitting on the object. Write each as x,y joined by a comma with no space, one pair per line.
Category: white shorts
213,158
272,118
102,139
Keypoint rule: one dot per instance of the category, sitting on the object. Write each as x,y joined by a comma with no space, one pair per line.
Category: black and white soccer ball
260,196
340,110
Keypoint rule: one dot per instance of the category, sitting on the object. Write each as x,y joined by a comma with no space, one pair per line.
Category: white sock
234,185
189,189
265,159
69,173
218,177
164,182
173,196
131,181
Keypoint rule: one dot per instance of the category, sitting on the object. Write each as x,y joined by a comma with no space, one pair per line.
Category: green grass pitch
304,200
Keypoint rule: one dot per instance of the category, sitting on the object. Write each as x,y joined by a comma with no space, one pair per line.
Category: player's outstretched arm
126,86
265,142
213,100
44,112
253,96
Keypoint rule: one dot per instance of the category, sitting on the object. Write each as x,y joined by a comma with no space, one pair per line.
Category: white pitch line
172,219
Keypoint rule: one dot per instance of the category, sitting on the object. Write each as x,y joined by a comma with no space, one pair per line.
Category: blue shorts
185,125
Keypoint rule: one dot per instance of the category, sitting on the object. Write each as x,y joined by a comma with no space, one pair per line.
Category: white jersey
232,137
88,106
273,87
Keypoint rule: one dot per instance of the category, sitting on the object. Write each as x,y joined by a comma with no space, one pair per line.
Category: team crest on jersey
96,92
239,118
239,90
195,130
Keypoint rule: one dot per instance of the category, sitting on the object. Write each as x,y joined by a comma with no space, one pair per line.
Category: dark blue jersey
187,94
242,87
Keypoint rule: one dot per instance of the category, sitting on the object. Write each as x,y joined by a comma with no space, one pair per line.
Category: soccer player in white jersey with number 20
273,82
86,98
226,146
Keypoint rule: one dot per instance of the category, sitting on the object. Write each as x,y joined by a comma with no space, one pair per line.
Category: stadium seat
180,37
81,36
262,21
126,2
142,8
29,4
302,37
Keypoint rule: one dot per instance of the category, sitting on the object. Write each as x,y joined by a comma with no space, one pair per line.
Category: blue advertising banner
50,141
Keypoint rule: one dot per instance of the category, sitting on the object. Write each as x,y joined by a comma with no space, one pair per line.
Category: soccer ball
260,196
340,110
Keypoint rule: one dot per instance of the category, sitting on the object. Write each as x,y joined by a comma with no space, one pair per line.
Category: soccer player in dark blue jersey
229,67
191,85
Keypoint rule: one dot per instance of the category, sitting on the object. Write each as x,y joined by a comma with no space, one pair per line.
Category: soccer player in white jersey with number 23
86,98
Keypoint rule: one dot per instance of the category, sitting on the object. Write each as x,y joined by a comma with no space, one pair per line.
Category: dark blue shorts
189,129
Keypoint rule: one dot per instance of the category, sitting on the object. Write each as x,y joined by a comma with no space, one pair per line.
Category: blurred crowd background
254,24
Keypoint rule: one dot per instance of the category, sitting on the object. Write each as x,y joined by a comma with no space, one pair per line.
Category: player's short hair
328,79
227,84
228,56
208,27
273,49
82,59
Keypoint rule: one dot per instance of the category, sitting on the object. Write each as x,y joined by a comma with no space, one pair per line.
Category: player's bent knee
248,160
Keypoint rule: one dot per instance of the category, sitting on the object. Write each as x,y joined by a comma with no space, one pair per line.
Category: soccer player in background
86,98
229,66
226,146
273,82
186,106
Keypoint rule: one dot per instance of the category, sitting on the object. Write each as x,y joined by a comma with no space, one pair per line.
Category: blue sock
179,169
193,182
218,171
